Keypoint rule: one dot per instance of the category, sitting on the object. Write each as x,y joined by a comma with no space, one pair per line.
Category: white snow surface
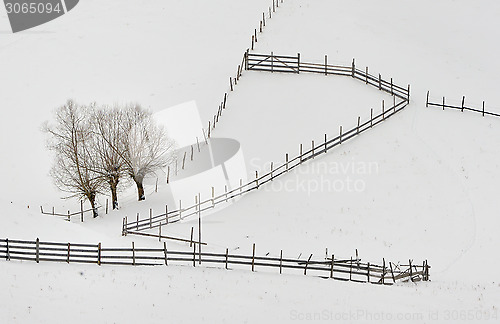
427,179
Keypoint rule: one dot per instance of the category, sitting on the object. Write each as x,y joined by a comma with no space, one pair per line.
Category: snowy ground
428,190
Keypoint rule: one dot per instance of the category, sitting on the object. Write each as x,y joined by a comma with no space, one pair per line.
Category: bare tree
75,169
146,146
107,125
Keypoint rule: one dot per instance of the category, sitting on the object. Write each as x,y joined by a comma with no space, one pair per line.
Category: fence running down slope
276,63
346,270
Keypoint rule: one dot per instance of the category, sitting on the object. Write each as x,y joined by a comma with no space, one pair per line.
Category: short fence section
352,269
462,107
69,214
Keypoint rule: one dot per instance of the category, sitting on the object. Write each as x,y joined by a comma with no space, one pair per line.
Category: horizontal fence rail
351,269
462,107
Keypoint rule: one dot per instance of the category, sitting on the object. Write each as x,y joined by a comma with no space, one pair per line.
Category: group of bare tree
98,147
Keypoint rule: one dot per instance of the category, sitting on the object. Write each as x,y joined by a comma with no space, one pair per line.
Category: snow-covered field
426,180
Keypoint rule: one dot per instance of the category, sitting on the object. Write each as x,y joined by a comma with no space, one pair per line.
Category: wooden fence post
443,103
392,273
483,108
379,82
108,199
281,261
371,117
408,93
270,15
463,103
231,83
307,263
257,179
69,217
383,110
359,119
7,255
253,40
99,254
383,270
159,233
137,222
246,59
81,209
271,171
37,252
126,226
53,211
67,257
331,266
165,252
227,253
326,65
264,19
180,209
325,143
427,100
213,195
298,63
340,135
366,75
411,271
392,89
133,253
274,8
253,257
286,158
199,226
368,272
272,62
191,241
150,217
194,255
260,26
300,159
166,214
312,149
353,68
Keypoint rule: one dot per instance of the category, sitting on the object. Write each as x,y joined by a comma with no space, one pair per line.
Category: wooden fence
352,269
293,64
462,107
171,216
68,215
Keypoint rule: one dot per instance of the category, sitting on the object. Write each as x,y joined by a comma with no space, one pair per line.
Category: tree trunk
113,184
92,197
140,190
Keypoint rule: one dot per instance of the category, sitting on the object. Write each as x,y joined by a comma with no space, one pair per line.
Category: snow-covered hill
428,190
